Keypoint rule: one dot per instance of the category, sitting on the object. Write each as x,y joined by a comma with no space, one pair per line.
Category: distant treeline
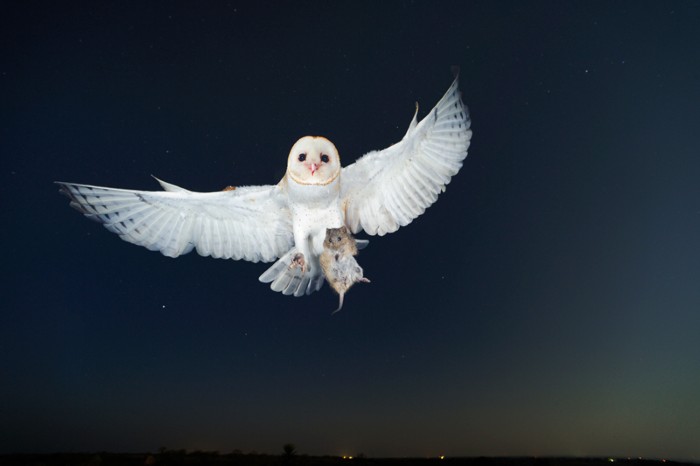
290,458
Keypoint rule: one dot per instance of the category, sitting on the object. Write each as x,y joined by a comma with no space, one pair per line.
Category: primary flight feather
380,192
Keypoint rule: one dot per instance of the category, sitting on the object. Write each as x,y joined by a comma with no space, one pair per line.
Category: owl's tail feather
290,280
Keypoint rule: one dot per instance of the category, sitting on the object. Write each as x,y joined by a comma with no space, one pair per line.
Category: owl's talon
298,261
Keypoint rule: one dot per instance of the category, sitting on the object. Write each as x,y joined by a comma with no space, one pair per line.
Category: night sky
547,304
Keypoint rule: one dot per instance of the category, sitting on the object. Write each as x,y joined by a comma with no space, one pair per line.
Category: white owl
380,192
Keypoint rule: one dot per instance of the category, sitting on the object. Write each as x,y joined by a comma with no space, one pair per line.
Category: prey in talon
338,262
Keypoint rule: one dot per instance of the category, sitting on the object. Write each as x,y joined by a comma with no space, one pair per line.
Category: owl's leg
298,261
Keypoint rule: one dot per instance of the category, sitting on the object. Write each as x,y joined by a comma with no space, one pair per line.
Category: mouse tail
340,302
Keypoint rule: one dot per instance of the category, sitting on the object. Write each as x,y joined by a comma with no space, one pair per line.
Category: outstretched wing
251,223
387,189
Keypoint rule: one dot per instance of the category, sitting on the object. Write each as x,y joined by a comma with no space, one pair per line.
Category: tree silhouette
289,450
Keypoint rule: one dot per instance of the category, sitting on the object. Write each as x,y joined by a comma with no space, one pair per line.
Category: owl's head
313,160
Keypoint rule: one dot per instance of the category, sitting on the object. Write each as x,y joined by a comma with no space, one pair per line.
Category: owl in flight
287,222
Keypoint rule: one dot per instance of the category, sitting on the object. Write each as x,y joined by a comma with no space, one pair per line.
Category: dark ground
180,457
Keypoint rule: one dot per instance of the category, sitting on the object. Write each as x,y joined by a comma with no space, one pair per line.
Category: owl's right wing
251,223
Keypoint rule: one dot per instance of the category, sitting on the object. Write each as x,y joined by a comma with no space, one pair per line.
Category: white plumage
387,189
250,223
380,192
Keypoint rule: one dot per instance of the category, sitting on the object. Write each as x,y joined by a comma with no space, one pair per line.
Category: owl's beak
313,168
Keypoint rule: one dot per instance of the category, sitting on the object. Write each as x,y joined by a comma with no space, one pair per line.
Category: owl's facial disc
313,160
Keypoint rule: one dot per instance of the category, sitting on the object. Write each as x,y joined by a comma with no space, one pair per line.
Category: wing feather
251,223
387,189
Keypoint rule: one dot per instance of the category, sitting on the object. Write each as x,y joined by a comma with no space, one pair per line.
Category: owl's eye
302,157
324,158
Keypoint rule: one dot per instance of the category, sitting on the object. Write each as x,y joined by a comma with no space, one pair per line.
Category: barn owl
286,222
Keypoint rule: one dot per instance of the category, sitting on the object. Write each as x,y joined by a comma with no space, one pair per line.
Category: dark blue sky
547,304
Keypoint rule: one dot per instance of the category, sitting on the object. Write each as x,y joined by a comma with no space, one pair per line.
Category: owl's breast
314,208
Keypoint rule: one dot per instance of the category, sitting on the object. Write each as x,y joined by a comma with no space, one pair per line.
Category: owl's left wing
251,223
387,189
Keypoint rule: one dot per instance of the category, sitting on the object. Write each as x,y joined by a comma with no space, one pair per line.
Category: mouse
338,262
